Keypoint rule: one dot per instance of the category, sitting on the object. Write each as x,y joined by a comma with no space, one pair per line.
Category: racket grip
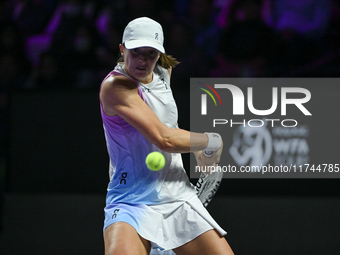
208,153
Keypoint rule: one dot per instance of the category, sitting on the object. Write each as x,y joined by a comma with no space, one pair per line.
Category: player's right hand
213,159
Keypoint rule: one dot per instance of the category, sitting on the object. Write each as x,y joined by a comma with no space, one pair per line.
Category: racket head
207,186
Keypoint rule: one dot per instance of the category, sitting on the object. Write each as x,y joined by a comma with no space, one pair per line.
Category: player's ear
121,48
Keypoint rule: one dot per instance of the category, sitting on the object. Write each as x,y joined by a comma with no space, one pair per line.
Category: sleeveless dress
158,204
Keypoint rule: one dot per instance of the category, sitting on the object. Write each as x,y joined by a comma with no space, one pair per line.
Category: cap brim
144,43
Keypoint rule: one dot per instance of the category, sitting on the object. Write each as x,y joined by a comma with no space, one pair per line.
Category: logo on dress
123,180
115,213
164,82
145,89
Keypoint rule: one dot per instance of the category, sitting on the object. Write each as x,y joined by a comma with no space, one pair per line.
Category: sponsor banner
271,127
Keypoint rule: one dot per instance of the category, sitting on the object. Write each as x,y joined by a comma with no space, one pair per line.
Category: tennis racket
207,186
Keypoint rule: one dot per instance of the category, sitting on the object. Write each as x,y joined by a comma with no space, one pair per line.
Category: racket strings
207,186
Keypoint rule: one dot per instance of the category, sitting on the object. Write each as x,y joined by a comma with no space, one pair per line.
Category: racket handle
208,153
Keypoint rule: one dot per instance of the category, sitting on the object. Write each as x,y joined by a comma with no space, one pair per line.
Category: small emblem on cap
156,36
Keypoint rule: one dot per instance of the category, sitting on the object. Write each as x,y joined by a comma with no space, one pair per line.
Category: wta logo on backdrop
263,120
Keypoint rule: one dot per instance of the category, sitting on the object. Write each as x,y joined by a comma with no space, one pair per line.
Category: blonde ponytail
167,61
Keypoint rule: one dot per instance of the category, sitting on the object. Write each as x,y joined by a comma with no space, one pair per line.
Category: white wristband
214,142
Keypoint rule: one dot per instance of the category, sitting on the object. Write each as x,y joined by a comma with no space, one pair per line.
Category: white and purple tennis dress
161,205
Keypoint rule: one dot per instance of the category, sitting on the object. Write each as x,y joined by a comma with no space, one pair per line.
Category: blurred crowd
73,44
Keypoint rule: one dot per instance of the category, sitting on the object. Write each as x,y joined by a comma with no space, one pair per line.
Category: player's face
140,62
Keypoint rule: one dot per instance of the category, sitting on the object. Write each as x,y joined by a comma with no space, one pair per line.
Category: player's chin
141,74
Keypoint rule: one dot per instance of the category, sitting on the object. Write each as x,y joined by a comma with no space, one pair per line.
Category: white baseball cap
143,32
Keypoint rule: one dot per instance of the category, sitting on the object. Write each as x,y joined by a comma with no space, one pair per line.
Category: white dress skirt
166,226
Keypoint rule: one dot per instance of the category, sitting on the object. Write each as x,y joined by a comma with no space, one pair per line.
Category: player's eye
153,53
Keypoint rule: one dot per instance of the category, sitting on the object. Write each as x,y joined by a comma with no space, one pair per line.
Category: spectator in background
202,21
110,30
309,18
12,74
223,7
46,74
193,62
30,16
12,42
247,47
303,25
62,45
108,53
181,8
332,39
85,46
75,43
138,8
11,39
159,10
14,67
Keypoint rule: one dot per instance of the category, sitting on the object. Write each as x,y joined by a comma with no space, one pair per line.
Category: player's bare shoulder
116,83
114,91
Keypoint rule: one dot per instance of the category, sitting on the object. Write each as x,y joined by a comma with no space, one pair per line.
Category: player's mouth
141,68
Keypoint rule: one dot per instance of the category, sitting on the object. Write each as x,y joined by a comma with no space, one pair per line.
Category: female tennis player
152,209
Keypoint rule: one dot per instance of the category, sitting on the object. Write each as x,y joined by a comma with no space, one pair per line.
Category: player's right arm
119,96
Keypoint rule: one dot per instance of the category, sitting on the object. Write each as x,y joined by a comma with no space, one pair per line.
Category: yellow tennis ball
155,161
